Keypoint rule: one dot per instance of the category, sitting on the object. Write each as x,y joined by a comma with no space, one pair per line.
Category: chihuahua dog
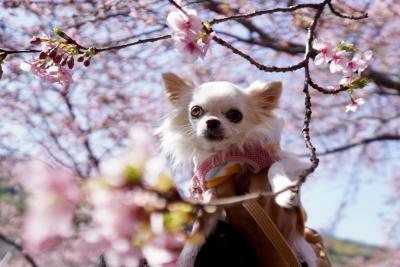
218,125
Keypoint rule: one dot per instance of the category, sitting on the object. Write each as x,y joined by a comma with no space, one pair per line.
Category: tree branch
254,62
383,137
263,12
307,103
344,16
18,247
291,48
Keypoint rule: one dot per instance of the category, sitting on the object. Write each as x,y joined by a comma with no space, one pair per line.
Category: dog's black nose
213,124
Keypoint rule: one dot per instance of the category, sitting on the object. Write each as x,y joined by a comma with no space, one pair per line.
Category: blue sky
362,215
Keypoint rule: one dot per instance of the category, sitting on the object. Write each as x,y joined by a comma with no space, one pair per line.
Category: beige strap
271,232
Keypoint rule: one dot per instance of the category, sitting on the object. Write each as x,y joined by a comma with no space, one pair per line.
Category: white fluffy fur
183,140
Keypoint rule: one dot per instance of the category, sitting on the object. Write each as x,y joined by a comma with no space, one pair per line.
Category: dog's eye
234,115
196,112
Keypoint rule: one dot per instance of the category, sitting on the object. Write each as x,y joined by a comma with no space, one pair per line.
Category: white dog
222,124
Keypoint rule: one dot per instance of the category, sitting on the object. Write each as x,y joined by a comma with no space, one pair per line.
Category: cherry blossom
355,66
191,49
188,34
53,194
337,61
325,52
181,22
52,74
354,105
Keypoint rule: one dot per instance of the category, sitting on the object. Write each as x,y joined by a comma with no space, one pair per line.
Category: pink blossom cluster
128,227
130,221
52,196
343,58
188,33
131,218
53,64
338,59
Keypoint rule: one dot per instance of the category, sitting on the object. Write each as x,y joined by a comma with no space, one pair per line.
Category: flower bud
57,59
59,32
81,59
42,55
64,61
36,40
86,62
70,62
53,52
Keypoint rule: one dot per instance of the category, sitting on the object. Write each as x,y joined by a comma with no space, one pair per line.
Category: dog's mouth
212,135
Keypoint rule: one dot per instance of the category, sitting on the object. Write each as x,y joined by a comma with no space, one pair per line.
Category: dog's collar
253,157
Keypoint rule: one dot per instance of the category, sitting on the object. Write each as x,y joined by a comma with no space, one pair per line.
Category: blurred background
352,198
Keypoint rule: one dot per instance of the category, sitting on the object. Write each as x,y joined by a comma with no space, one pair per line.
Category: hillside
345,253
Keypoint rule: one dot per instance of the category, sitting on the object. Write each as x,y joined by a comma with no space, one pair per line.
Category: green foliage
359,83
132,175
348,47
11,195
345,253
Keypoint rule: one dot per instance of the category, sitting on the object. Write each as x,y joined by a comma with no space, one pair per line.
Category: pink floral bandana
253,157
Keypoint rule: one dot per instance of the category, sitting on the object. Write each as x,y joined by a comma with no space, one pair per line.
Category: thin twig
141,41
178,7
262,12
10,52
254,62
85,134
18,247
344,16
323,90
382,137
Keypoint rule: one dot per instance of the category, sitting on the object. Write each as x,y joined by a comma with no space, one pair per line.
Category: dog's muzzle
214,131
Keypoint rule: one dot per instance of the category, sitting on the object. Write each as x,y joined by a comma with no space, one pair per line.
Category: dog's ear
266,94
175,86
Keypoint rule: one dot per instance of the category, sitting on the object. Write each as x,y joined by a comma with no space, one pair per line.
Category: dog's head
215,116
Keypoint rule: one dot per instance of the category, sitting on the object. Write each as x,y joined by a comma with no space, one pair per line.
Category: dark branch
344,16
382,79
19,248
307,103
262,12
142,41
254,62
383,137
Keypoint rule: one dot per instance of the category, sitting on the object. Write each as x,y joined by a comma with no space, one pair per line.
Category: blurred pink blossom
119,220
180,22
52,74
116,217
164,249
355,103
52,195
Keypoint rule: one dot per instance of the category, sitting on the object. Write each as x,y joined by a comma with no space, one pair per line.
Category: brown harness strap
270,230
